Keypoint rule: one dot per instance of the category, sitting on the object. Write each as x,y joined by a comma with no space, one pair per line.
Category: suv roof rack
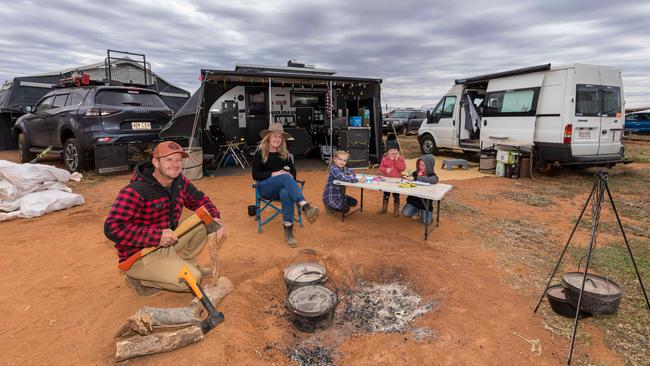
140,60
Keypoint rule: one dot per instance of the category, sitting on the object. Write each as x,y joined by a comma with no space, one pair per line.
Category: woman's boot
288,236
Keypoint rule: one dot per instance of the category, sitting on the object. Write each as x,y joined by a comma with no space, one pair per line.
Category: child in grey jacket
424,172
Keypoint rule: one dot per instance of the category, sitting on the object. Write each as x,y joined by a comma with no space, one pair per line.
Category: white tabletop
434,192
512,143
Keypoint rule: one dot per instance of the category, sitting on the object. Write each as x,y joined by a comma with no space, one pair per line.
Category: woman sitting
275,174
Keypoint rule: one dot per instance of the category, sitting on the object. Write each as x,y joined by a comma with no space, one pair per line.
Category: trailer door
611,116
510,108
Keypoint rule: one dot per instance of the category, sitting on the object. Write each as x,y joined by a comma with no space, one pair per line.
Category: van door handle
583,120
604,132
485,122
453,122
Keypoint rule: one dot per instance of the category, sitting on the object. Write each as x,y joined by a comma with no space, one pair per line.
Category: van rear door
611,116
510,108
586,121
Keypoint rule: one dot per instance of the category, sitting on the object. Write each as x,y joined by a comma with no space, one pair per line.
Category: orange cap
167,148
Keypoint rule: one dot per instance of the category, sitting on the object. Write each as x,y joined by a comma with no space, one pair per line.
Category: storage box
507,157
500,169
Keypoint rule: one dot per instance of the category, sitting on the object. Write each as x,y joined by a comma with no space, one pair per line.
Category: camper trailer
568,114
315,106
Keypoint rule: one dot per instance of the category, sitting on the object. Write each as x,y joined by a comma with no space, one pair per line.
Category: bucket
312,307
488,163
193,165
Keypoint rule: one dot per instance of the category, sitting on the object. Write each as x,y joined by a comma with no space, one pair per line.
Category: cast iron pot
600,296
560,305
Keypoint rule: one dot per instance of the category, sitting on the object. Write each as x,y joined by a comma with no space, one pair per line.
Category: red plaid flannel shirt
144,208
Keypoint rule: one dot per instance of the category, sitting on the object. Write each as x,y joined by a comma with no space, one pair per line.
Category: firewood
156,343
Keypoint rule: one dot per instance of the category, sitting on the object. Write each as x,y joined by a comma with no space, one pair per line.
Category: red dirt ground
62,297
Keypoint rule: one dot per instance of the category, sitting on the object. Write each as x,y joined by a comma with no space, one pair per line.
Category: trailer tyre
73,156
428,145
23,149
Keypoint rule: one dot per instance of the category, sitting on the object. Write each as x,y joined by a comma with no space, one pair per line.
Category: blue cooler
356,121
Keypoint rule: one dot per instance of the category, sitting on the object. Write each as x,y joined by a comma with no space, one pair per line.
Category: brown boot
396,210
384,207
310,212
288,236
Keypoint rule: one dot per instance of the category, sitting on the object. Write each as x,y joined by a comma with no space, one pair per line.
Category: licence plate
584,134
140,125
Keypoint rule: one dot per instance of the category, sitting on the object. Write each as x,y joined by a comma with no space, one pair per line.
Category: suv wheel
23,149
73,156
428,145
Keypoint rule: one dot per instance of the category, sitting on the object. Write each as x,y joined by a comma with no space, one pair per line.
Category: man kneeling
144,215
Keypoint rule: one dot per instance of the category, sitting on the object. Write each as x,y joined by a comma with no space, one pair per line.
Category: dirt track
62,297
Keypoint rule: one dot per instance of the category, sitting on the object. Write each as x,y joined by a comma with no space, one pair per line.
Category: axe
200,217
215,317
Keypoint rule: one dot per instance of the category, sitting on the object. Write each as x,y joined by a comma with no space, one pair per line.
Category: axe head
204,215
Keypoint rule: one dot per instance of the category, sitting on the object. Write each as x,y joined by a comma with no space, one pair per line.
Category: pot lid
556,292
594,284
312,300
304,272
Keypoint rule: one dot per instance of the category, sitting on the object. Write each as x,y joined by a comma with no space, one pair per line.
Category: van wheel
428,145
73,156
23,149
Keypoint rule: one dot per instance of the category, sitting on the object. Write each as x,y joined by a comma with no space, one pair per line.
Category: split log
156,343
147,319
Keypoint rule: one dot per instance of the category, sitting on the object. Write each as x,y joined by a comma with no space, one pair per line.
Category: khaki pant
160,268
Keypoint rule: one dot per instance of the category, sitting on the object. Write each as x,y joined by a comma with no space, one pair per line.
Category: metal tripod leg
629,250
575,227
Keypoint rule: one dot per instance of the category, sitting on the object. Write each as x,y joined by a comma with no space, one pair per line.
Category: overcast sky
418,49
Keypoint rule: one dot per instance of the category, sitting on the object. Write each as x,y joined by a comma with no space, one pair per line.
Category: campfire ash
317,356
383,307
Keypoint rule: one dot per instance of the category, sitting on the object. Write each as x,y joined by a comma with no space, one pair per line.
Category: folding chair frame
262,203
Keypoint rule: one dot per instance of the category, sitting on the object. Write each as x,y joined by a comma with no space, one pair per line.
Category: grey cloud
415,47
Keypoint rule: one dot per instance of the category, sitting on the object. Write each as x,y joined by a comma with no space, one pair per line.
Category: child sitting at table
392,165
424,173
334,196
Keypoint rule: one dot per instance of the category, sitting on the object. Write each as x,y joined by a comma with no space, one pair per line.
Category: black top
274,163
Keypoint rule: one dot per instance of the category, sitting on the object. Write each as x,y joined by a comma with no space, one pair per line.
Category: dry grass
528,198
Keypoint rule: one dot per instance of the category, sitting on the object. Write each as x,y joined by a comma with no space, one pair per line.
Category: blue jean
409,210
285,189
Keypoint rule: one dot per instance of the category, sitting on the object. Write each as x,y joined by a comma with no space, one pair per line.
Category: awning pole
331,124
270,103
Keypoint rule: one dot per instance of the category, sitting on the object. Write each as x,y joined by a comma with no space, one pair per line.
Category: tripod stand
599,188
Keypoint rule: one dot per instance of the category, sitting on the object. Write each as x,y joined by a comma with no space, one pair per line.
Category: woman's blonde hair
264,145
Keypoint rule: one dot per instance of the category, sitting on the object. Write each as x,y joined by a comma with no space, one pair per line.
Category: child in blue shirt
334,196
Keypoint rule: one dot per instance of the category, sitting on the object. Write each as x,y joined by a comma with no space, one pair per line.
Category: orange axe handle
200,216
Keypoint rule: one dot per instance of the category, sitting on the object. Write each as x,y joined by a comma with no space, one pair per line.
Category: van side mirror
27,109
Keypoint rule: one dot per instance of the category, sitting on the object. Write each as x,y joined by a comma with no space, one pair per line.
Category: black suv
74,120
404,120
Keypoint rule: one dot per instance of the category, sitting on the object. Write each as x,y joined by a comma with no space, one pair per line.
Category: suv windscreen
399,114
129,97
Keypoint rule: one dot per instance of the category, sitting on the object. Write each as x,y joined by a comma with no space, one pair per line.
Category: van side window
515,102
610,101
587,100
448,109
76,97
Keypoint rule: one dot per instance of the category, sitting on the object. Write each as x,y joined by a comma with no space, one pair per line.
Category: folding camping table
434,192
232,149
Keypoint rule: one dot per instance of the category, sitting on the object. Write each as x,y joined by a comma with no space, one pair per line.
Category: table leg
438,214
426,219
361,205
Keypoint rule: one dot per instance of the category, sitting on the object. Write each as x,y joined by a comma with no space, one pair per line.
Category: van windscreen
128,97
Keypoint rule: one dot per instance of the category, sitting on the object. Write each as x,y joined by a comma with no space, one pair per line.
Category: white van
571,114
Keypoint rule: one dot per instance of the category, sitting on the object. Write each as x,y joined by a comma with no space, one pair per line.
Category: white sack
19,179
39,203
